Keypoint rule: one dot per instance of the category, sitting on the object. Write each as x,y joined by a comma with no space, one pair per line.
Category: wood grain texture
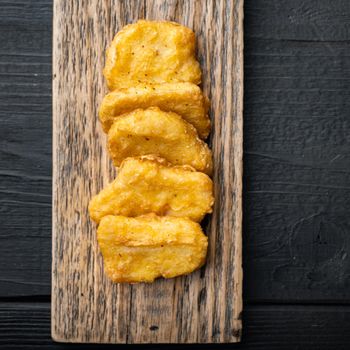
203,307
25,148
296,151
297,74
269,327
292,49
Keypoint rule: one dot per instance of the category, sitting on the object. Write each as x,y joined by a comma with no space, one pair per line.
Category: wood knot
237,333
316,240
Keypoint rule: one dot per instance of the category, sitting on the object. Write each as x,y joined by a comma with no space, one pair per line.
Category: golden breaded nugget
146,247
151,185
185,99
151,52
164,134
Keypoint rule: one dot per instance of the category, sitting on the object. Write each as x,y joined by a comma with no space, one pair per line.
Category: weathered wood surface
292,50
25,148
310,53
203,307
296,151
270,327
295,47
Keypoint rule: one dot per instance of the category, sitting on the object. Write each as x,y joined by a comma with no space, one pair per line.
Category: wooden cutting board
204,307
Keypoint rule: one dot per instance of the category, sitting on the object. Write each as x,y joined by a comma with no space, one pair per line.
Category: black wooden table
296,175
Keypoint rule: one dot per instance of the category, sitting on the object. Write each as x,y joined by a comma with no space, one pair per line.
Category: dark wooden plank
297,126
26,14
298,20
210,300
291,327
25,147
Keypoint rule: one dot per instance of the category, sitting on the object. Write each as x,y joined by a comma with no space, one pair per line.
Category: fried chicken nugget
185,99
146,247
164,134
151,52
151,185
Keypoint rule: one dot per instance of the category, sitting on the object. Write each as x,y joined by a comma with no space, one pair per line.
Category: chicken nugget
152,52
164,134
143,248
185,99
151,185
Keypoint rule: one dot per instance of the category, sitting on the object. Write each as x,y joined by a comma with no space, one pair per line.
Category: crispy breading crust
185,99
147,247
164,134
151,185
151,52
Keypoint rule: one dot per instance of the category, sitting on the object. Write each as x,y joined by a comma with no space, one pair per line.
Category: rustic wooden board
204,307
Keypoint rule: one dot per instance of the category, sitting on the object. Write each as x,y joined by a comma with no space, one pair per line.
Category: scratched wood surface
266,327
296,159
204,307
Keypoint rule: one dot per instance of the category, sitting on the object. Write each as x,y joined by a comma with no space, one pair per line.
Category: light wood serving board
205,306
